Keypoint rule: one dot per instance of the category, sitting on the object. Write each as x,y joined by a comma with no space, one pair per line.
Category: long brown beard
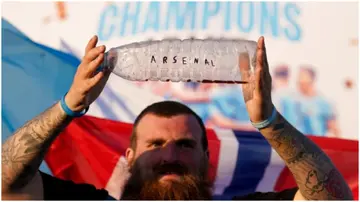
189,188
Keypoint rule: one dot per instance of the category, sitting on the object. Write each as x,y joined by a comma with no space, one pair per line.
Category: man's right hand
23,152
88,83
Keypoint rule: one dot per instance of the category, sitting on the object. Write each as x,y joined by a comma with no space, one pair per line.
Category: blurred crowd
223,106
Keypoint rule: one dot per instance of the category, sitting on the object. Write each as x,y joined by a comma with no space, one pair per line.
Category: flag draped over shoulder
35,77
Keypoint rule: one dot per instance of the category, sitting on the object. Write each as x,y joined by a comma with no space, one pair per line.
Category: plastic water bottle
195,60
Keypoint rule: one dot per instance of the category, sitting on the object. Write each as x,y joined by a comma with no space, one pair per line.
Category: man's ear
129,155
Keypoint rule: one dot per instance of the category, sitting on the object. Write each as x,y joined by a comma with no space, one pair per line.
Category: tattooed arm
24,151
315,174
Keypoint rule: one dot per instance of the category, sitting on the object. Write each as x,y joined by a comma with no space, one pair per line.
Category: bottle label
182,60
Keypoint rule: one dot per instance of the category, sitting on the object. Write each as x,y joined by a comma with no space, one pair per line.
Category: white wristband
266,122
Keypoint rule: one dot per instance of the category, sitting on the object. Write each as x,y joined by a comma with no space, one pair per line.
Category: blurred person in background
228,109
316,115
284,98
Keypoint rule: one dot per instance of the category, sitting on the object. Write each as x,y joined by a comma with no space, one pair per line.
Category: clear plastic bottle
196,60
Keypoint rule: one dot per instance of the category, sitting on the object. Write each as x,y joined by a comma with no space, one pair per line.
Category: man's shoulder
287,194
58,189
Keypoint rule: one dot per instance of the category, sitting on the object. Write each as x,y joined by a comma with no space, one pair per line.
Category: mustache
170,168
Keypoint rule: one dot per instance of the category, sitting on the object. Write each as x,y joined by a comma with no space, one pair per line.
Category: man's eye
156,144
186,145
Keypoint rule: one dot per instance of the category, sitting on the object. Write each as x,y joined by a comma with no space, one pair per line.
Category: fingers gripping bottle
196,60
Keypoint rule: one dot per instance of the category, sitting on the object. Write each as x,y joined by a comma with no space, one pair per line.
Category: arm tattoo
314,173
23,152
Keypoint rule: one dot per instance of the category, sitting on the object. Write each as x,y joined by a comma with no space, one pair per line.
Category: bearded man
168,157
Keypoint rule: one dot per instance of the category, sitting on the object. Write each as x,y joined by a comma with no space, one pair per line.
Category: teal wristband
266,122
68,111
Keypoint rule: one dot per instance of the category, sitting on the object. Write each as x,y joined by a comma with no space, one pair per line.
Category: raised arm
23,152
316,176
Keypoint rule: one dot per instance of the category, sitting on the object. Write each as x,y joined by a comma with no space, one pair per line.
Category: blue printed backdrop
313,85
312,51
119,20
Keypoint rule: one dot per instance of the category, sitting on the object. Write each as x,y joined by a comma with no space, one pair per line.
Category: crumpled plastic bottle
195,60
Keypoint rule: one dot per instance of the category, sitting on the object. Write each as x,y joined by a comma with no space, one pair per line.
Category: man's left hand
257,90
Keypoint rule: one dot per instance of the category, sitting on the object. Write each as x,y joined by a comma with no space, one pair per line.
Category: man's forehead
178,126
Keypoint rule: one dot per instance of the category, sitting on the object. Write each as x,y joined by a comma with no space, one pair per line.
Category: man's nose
170,153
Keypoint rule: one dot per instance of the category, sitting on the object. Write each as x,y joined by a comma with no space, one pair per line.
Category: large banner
91,149
312,52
